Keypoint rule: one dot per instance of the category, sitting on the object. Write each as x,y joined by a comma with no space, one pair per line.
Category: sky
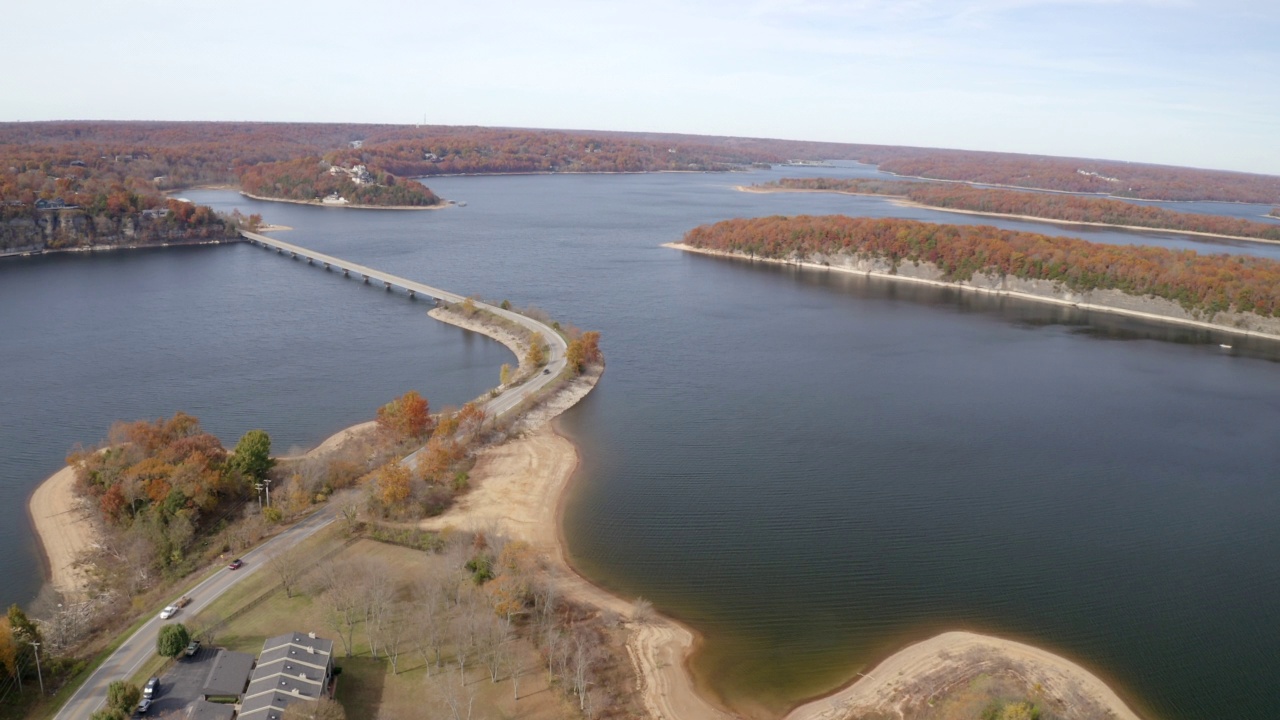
1180,82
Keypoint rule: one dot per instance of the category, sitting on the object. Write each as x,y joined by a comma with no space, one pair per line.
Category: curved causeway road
142,644
496,407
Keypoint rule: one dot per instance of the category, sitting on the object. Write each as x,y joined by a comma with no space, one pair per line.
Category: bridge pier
411,295
309,261
279,251
388,284
326,266
293,255
346,272
366,279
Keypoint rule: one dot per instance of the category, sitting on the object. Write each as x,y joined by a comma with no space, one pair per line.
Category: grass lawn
367,687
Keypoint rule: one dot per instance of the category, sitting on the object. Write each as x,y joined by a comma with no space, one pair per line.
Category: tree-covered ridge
312,178
1052,206
50,200
1205,283
181,154
1122,179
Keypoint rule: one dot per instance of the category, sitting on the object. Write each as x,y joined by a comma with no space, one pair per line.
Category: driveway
181,686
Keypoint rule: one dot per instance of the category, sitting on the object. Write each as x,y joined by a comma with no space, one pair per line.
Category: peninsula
1236,294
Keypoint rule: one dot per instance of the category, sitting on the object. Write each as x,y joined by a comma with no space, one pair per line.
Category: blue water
812,469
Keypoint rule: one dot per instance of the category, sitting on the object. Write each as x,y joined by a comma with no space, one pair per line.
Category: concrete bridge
140,647
368,274
495,407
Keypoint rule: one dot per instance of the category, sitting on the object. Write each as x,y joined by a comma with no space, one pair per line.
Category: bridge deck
494,407
368,272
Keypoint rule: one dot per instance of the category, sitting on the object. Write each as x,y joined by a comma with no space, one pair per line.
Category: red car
236,564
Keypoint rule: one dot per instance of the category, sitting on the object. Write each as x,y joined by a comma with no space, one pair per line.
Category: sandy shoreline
65,531
520,489
348,206
902,201
988,291
882,689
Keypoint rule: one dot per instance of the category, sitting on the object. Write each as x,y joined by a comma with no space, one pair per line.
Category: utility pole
39,674
259,488
267,482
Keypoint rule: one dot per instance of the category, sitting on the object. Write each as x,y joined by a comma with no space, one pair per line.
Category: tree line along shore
1239,294
1036,205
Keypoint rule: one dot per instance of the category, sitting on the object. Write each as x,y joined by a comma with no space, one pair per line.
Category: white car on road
168,612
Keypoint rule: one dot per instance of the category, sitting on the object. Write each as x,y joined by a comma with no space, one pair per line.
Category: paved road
142,645
496,407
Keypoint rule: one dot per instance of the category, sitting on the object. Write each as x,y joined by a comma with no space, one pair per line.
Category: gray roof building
291,668
229,675
201,710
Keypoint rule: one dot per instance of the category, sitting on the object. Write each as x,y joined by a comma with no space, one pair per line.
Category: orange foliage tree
393,484
408,417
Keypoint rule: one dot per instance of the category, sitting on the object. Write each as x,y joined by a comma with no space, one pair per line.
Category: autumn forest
1051,206
1200,283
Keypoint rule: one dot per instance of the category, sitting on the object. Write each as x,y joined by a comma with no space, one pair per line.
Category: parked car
151,689
193,648
144,706
168,612
236,564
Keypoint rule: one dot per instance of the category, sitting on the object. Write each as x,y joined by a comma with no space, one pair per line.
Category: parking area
183,684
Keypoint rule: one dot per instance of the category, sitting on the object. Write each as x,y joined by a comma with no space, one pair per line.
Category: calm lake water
811,469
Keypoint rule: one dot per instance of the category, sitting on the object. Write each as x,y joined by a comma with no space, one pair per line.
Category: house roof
202,710
266,706
229,674
292,667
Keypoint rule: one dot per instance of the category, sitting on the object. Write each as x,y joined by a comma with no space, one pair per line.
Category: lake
811,469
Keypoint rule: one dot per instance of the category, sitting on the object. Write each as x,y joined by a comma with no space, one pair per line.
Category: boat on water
1224,346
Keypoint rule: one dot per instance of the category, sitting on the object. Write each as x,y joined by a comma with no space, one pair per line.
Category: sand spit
957,657
65,530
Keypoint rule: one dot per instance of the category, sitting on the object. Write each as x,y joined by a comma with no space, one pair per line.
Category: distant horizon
1182,83
642,132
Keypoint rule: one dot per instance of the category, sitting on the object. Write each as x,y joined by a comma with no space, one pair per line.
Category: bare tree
514,669
348,504
463,640
429,627
341,597
289,565
459,697
376,596
641,611
493,637
586,653
392,630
